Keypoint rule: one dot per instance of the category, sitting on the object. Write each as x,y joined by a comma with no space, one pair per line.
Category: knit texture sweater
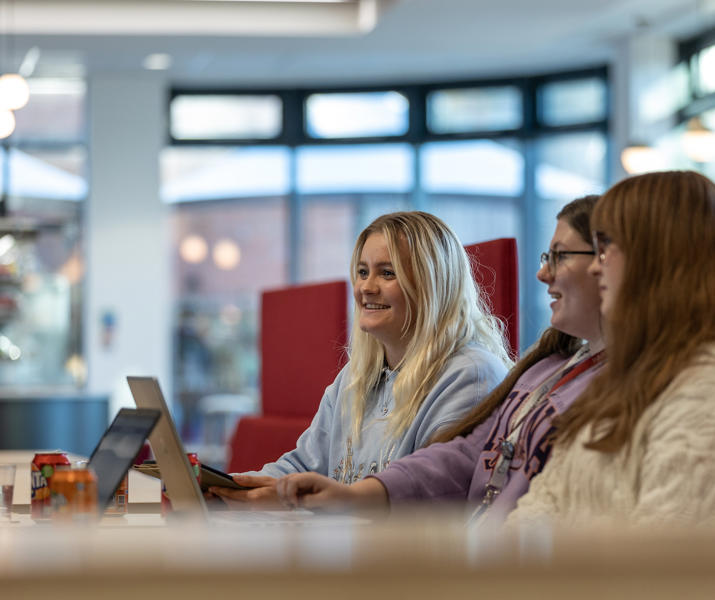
667,476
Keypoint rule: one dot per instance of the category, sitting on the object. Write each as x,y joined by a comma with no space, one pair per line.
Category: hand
311,490
261,496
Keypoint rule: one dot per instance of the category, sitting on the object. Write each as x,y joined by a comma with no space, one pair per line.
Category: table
144,491
420,555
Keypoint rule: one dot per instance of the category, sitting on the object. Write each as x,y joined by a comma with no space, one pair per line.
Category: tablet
118,449
209,476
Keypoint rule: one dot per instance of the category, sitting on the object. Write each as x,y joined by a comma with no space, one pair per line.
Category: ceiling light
193,249
14,91
159,61
226,254
638,158
285,1
699,141
7,123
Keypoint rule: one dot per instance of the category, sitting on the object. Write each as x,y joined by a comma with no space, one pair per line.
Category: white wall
127,248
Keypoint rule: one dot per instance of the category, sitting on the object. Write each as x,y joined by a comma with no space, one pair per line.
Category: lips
374,306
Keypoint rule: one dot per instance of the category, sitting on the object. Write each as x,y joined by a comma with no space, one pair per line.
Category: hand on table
261,496
311,491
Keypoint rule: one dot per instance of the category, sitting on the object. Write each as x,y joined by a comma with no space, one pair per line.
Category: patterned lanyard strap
579,363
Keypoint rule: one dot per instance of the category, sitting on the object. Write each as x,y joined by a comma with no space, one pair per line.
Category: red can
74,494
42,469
196,466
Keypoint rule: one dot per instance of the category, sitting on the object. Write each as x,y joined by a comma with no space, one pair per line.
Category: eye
388,274
362,273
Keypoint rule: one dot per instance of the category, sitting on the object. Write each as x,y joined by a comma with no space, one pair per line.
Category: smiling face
381,302
575,306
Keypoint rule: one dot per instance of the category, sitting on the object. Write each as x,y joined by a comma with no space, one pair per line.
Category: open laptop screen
118,448
166,445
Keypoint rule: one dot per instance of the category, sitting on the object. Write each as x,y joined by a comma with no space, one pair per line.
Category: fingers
224,492
260,497
308,490
288,488
253,481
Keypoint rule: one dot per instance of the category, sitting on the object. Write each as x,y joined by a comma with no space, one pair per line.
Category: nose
544,274
594,269
368,285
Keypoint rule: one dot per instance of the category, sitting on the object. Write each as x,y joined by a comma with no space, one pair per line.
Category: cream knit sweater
668,476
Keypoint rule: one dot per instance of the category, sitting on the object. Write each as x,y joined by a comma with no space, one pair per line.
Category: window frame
294,126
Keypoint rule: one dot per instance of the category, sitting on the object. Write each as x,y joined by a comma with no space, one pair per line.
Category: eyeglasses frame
550,258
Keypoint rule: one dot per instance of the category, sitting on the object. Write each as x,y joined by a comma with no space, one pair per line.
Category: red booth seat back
495,269
304,333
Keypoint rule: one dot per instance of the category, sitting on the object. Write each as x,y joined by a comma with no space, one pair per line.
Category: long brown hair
552,341
664,223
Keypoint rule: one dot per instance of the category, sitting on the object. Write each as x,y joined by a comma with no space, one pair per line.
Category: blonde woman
424,350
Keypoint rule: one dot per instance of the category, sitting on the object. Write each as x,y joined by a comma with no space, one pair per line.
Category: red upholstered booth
304,331
495,269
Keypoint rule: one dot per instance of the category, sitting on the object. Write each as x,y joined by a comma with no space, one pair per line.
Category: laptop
180,480
176,472
118,449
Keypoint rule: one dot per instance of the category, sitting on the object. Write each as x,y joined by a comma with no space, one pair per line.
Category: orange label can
74,494
42,470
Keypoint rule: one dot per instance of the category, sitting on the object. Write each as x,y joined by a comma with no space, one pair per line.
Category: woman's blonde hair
577,214
445,311
664,223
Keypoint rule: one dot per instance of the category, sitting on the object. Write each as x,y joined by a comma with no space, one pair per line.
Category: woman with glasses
489,458
639,445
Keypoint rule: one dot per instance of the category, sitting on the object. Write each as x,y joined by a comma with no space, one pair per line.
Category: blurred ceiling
237,43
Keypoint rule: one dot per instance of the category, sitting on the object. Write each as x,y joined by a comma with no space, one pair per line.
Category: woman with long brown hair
639,445
489,458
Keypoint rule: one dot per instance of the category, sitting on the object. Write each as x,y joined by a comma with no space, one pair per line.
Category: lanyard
572,369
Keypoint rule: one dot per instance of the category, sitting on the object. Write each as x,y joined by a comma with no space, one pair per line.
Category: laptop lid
176,472
118,448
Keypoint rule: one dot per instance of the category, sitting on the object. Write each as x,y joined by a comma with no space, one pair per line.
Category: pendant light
639,157
7,123
14,91
699,141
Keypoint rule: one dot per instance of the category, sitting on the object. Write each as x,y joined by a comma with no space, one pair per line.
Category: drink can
74,494
42,470
119,504
196,466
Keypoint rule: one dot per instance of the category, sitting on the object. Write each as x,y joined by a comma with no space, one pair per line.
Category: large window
474,109
356,115
224,116
43,184
494,159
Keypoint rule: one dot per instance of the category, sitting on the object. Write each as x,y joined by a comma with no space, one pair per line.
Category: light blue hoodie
327,447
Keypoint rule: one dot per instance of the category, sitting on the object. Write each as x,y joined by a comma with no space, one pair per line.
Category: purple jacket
460,469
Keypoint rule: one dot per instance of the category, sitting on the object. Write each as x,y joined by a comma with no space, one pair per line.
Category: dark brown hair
664,223
552,341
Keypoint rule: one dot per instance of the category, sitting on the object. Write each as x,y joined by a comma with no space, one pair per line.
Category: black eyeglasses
600,244
553,257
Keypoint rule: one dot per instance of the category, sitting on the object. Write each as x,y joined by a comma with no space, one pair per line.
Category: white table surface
142,488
